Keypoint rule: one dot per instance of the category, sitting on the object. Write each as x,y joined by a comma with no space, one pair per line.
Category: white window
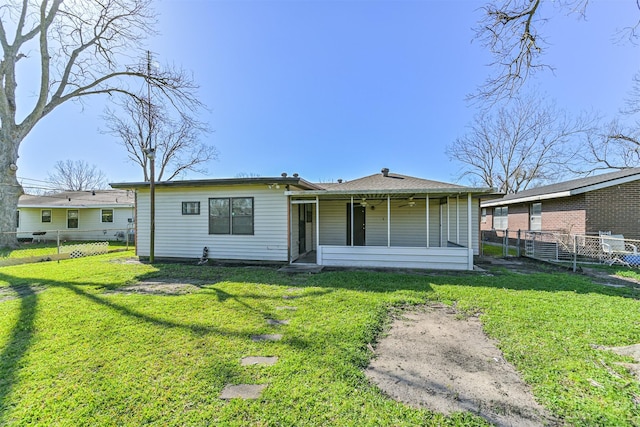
535,223
501,218
72,218
107,215
484,215
45,215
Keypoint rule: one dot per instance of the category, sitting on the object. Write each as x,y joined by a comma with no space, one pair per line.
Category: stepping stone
291,296
259,360
267,337
242,391
286,307
275,322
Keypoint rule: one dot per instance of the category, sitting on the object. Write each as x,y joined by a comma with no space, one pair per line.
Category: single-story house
76,215
608,202
381,220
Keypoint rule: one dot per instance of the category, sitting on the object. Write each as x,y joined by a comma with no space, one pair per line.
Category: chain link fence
604,248
52,245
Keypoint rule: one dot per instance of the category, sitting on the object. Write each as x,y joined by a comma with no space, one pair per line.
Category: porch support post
351,220
448,221
388,220
427,220
318,249
458,219
469,231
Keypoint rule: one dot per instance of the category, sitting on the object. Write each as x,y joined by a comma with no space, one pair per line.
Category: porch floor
308,258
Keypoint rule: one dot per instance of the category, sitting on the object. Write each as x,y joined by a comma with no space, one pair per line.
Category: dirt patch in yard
436,359
159,288
22,291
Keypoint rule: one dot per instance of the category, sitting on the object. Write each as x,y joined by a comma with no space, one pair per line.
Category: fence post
518,244
575,253
481,242
58,240
505,243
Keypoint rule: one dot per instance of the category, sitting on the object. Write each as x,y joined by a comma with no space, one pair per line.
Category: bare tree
77,175
509,29
81,48
520,145
139,124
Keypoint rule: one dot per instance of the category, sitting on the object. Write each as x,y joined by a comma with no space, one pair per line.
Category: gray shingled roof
392,181
390,184
83,199
568,188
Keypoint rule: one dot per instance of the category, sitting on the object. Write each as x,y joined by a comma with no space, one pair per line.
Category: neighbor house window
536,217
231,215
501,218
190,208
107,215
72,218
45,215
484,215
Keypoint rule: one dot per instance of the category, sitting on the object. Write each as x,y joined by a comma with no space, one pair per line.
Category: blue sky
341,89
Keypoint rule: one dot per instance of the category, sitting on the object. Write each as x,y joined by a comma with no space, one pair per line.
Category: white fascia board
536,198
128,205
431,191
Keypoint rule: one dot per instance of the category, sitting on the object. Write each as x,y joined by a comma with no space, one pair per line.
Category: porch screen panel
219,216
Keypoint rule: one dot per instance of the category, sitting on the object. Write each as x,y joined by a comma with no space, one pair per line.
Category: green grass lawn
74,352
42,249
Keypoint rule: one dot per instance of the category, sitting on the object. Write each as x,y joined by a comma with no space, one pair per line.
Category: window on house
501,218
484,215
45,215
231,215
190,208
72,218
107,215
535,223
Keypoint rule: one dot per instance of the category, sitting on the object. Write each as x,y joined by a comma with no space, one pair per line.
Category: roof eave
220,182
431,191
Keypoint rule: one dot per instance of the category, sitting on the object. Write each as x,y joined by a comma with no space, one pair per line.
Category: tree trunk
10,192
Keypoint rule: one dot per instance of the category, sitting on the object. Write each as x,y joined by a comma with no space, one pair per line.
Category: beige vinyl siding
408,224
395,257
90,225
333,222
434,222
295,232
184,236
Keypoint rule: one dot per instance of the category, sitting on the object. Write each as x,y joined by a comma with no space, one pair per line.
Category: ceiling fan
410,202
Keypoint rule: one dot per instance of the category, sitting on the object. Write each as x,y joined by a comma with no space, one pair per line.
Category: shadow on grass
18,343
21,336
22,333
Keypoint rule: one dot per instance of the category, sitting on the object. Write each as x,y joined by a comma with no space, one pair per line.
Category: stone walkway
254,391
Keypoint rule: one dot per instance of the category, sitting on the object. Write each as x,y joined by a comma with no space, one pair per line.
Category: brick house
607,202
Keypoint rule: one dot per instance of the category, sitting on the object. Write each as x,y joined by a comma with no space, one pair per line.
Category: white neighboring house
76,215
381,220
